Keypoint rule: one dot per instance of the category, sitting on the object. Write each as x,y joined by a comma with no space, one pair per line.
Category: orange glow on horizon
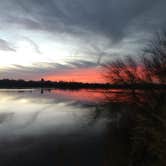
96,75
89,75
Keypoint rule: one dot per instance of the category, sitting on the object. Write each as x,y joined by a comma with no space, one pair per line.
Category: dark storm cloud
5,45
99,29
110,18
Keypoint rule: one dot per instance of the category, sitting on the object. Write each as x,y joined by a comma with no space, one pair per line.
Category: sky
71,39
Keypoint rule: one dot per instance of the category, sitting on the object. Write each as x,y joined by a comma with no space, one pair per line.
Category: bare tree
154,58
123,72
153,65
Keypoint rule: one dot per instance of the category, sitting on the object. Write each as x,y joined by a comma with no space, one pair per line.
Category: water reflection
86,127
48,128
137,135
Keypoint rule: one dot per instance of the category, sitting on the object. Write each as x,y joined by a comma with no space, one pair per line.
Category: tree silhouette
150,68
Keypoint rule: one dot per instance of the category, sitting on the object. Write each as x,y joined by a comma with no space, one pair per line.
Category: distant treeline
6,83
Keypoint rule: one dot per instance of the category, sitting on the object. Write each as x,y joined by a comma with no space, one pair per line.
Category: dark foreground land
6,83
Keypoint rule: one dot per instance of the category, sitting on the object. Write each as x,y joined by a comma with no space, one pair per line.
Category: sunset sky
70,40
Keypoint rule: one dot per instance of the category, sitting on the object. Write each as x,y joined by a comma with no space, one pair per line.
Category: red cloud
90,75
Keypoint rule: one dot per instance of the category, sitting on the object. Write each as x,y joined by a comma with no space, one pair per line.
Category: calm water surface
82,128
51,127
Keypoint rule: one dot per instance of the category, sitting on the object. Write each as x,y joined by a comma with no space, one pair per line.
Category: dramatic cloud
63,31
109,17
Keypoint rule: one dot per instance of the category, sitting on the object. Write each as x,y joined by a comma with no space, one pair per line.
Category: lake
65,128
44,127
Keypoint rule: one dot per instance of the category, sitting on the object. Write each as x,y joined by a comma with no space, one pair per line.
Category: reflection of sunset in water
82,95
112,95
119,95
86,95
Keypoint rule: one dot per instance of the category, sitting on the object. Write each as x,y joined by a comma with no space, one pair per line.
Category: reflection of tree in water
149,131
136,132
